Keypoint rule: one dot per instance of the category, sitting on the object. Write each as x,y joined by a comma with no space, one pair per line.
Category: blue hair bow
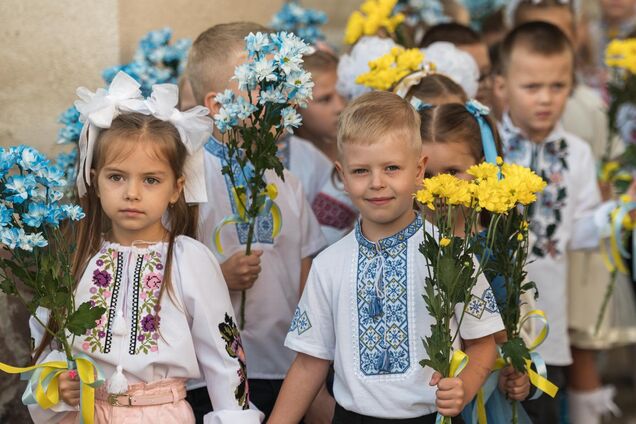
479,111
419,105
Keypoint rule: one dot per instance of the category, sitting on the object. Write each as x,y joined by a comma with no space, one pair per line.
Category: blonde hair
213,53
377,114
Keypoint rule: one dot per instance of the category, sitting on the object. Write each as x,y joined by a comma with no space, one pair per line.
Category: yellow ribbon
240,217
46,384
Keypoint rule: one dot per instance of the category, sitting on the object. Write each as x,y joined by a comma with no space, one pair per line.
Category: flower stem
608,294
515,418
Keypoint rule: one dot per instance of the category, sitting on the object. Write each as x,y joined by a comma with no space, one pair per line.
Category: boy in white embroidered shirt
537,78
273,276
381,163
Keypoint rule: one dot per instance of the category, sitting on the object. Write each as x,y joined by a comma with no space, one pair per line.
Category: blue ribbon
479,111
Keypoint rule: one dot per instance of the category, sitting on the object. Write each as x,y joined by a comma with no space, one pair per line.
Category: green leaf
8,287
515,352
84,318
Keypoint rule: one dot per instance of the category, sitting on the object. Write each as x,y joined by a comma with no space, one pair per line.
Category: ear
421,167
178,189
340,170
499,86
210,102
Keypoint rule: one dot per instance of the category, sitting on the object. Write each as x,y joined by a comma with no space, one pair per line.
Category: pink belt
141,394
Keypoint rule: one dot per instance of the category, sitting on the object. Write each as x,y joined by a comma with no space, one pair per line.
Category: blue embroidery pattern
387,333
491,301
476,306
300,323
264,224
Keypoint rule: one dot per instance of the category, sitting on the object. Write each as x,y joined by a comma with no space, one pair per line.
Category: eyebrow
112,169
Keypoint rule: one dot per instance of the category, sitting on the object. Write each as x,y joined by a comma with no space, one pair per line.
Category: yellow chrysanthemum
372,16
609,170
387,70
484,171
444,242
622,54
425,197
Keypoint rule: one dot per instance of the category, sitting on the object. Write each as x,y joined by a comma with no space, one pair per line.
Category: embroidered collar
510,130
217,148
397,238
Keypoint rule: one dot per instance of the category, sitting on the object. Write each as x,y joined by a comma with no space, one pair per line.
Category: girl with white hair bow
168,316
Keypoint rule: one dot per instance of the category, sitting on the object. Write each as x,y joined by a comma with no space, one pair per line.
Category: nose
377,181
545,96
132,190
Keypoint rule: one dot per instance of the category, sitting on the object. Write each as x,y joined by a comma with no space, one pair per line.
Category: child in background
274,275
381,164
159,329
537,64
320,118
585,115
465,39
432,89
332,205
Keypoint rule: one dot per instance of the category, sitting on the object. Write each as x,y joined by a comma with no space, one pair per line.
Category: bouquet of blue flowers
33,234
274,83
305,23
155,61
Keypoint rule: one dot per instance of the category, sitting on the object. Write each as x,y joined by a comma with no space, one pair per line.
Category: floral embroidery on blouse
234,348
549,161
105,286
105,290
147,285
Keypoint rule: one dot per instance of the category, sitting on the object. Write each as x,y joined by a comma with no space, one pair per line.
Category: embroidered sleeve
312,238
215,337
481,315
312,328
587,198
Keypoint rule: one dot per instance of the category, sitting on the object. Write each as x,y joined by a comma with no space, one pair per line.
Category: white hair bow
194,126
97,111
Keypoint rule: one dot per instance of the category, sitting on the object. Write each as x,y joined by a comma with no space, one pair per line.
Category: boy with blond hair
381,164
274,274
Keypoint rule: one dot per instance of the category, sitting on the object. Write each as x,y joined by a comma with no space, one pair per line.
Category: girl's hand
515,384
449,395
69,388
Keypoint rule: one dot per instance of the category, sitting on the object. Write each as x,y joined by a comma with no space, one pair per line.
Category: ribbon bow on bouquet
43,385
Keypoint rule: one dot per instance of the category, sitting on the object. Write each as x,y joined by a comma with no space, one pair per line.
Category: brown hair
538,37
125,133
453,123
213,52
451,32
374,115
436,86
526,5
320,61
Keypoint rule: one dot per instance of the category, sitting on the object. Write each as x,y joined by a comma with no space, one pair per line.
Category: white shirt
170,340
271,301
334,210
311,166
561,219
332,322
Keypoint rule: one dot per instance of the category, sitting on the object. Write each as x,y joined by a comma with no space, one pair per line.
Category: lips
543,115
131,212
379,201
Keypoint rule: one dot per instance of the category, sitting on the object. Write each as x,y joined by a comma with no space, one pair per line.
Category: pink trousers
167,413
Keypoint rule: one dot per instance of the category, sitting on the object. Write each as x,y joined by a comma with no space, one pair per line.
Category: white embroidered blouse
194,333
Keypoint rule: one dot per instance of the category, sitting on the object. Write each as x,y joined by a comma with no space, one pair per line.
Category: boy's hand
69,388
241,271
449,395
515,384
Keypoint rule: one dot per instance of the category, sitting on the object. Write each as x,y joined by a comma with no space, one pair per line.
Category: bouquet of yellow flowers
373,18
386,71
447,201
